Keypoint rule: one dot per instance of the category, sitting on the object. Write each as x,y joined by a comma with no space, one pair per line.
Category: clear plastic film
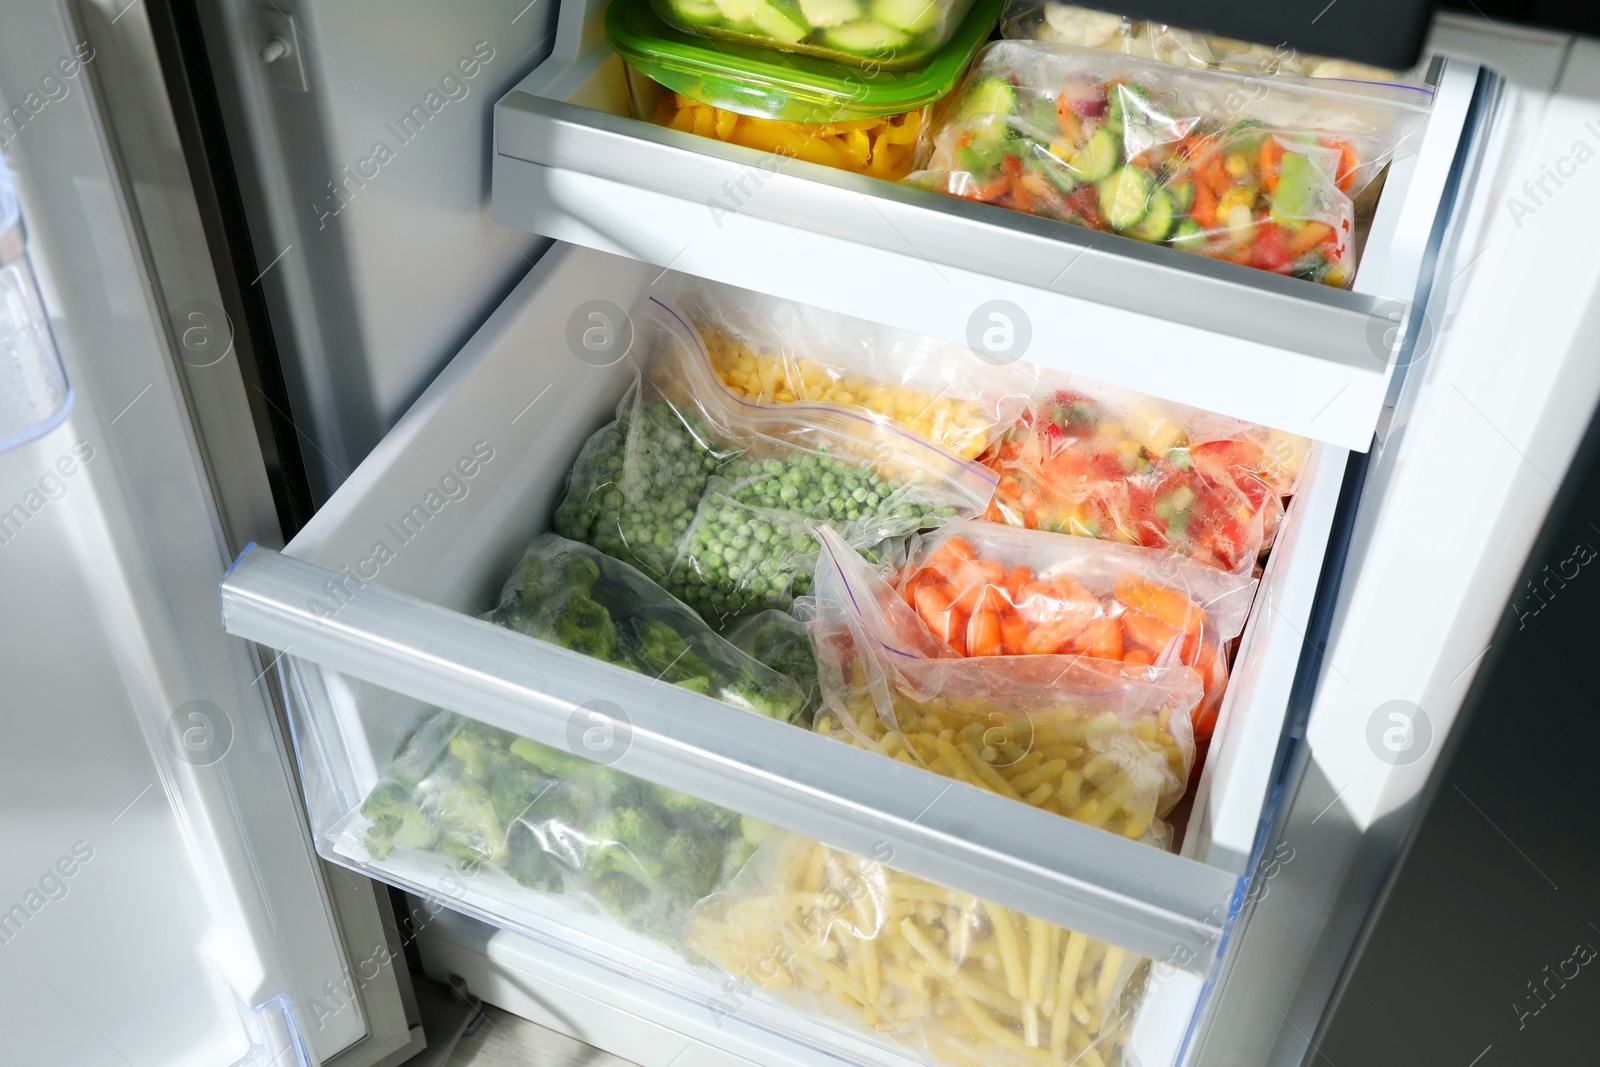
991,590
560,824
1061,22
1097,461
716,498
954,980
1100,741
556,824
768,351
1272,173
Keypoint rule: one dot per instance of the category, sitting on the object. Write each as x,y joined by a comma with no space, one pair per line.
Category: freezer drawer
372,607
569,164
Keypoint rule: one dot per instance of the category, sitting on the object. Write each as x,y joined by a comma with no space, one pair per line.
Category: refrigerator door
159,903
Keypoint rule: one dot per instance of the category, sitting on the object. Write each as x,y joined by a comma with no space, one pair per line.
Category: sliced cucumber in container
912,16
738,10
779,23
699,12
826,14
1096,160
1125,197
867,37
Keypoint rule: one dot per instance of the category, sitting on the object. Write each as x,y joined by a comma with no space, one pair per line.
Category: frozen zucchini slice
1157,221
1189,236
826,14
698,12
1125,197
1096,160
867,37
741,11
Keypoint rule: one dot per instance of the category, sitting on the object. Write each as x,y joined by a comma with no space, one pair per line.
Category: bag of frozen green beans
717,498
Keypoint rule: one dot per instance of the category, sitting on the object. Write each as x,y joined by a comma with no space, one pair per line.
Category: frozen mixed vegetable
1097,461
1205,162
892,34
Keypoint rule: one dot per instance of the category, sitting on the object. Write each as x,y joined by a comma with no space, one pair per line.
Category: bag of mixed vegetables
962,982
1097,461
767,351
992,590
1063,22
1268,173
716,498
1098,740
557,823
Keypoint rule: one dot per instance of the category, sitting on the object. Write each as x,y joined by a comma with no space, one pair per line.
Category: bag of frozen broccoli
716,498
553,821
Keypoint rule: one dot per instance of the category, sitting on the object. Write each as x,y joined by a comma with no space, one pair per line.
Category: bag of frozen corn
765,351
1271,173
953,980
1096,740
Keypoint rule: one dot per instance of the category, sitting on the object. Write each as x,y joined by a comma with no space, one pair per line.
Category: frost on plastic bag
957,981
717,500
991,590
577,597
1098,461
1268,173
769,351
1098,741
555,823
1067,23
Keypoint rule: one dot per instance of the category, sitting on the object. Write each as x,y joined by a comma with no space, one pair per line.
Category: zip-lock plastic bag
1097,461
577,597
1103,742
1067,23
769,351
1270,173
555,823
716,499
950,979
991,590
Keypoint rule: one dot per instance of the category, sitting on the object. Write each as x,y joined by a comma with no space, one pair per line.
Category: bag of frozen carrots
1097,461
984,589
1098,740
954,980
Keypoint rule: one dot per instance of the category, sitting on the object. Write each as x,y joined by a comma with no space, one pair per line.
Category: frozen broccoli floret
396,821
695,813
464,816
555,763
530,863
627,840
621,894
772,696
690,865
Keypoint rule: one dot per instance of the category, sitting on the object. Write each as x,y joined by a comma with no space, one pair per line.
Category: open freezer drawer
372,608
570,164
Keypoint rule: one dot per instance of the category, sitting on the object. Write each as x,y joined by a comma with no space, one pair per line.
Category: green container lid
779,85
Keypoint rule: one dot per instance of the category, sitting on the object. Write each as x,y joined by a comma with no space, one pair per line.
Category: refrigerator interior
580,174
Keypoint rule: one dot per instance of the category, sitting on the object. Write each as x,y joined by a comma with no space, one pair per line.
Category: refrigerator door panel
371,607
1247,343
365,192
170,908
1486,426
